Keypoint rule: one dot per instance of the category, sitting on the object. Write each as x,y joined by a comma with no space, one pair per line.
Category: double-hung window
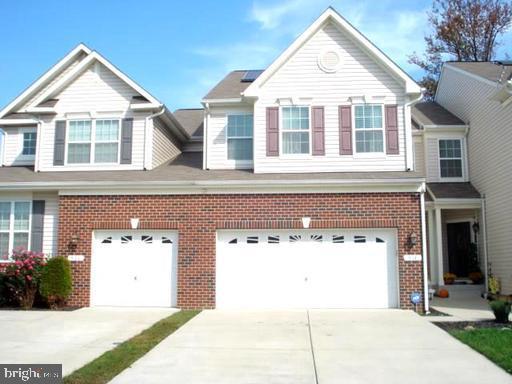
106,144
14,226
93,141
295,131
239,137
450,158
79,141
29,143
369,128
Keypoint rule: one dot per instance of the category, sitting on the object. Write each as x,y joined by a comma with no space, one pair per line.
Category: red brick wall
197,217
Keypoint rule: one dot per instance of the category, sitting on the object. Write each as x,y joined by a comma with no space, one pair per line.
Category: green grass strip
495,344
111,363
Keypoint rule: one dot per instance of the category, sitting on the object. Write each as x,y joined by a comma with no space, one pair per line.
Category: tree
463,30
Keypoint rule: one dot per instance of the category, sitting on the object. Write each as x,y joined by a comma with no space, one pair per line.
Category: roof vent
329,61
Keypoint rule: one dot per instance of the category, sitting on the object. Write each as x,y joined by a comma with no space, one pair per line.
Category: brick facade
197,217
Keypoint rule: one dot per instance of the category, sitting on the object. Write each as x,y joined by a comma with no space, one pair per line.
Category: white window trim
462,158
11,227
93,143
21,134
245,162
369,155
282,131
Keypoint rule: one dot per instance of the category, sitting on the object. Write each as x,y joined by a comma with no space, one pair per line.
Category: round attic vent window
329,61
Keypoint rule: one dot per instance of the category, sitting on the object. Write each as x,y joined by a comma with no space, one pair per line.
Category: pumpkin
443,293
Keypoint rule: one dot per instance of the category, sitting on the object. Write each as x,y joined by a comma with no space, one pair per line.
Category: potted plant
449,278
501,310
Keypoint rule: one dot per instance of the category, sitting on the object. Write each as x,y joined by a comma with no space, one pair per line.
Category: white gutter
409,161
424,249
206,119
148,139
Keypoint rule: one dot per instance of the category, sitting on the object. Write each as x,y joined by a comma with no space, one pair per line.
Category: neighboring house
480,94
303,193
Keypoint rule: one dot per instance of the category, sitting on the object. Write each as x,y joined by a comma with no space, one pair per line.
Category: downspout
409,161
146,127
39,134
484,240
424,249
205,135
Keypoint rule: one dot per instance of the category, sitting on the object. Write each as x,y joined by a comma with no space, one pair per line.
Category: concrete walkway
336,346
71,338
465,308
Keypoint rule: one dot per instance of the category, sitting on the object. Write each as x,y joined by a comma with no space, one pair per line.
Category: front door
459,241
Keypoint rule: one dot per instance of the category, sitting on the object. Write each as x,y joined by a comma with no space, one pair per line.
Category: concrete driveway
386,346
70,338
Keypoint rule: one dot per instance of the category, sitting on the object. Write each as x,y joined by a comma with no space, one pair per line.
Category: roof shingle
493,71
229,87
431,113
191,120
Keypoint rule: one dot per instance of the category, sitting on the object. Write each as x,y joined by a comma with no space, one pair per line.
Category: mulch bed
468,325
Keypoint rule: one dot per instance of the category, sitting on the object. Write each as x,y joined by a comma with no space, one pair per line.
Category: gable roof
46,78
494,71
430,113
230,87
191,120
82,67
331,15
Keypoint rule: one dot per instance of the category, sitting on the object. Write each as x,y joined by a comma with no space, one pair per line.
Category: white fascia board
456,203
222,101
55,88
433,130
40,81
18,121
411,87
144,106
224,186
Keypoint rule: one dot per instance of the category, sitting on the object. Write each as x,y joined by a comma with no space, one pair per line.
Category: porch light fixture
305,222
134,223
73,241
476,227
413,239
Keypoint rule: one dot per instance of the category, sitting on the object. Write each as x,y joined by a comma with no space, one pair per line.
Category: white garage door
307,269
134,268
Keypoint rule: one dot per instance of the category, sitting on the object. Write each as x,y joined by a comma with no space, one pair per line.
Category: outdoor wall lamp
73,241
476,227
413,239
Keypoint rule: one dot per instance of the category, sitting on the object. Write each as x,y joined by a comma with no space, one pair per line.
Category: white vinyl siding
302,81
165,145
490,159
216,138
419,154
96,94
13,142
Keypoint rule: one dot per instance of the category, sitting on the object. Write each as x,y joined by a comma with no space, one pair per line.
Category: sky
178,50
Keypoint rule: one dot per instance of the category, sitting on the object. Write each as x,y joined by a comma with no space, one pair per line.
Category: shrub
23,276
56,283
501,310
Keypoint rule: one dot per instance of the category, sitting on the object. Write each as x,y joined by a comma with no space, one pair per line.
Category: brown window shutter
345,121
318,131
392,147
272,131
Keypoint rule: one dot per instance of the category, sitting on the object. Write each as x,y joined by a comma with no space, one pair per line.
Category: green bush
501,310
56,283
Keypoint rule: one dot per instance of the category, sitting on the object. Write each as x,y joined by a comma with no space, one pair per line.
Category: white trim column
439,243
432,251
